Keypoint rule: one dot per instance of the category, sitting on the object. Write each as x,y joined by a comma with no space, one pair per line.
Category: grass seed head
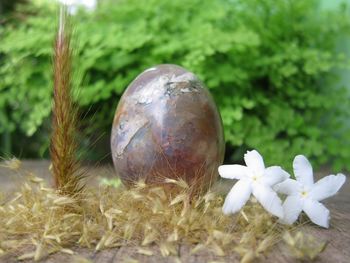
141,216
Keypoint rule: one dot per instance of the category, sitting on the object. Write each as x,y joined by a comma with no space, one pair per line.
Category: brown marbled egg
167,126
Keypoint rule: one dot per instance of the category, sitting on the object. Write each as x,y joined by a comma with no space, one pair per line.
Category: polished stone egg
167,126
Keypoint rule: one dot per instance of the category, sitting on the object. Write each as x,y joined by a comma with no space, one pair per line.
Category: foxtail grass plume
63,149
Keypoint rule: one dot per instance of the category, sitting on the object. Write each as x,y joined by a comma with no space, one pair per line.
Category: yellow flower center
304,193
256,177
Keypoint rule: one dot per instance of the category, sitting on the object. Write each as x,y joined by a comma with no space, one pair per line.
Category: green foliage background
269,64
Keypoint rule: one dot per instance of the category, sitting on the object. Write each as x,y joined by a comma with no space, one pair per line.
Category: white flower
253,179
304,195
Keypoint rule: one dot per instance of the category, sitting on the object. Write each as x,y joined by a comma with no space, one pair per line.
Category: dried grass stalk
63,150
38,221
304,246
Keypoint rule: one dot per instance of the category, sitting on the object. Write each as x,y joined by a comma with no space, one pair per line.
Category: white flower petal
274,175
287,187
268,199
233,171
317,212
237,197
254,161
327,186
303,170
292,208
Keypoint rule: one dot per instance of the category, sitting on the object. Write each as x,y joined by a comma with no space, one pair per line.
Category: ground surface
338,236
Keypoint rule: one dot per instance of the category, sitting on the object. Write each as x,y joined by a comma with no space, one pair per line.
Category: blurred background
278,70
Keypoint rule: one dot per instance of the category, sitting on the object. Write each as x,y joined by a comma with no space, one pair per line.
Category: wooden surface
337,236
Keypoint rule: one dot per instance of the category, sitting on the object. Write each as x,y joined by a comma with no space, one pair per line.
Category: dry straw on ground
38,221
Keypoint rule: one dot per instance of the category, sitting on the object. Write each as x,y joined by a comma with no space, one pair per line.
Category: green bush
7,6
269,64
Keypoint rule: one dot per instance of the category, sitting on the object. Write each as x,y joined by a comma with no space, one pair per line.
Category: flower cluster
264,184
